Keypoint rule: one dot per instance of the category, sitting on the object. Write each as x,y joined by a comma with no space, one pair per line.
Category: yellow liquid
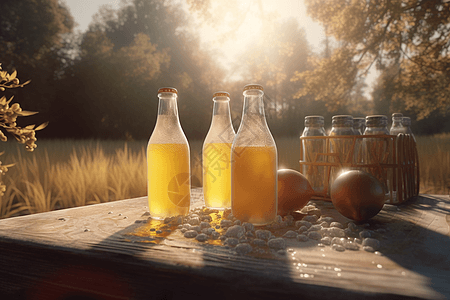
254,184
217,175
168,173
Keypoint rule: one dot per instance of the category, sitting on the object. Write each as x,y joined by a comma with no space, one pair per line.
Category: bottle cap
314,120
342,120
376,121
406,121
253,87
168,90
221,94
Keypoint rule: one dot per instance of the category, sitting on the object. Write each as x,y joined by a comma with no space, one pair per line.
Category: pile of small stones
244,238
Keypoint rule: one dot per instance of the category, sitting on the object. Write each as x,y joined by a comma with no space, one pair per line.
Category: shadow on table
418,239
125,266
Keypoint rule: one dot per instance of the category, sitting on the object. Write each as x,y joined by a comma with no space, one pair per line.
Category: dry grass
67,173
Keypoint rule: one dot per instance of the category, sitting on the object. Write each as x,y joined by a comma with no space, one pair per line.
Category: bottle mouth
314,120
342,120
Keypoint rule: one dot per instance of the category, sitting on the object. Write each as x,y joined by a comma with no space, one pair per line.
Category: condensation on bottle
254,163
168,164
216,155
314,126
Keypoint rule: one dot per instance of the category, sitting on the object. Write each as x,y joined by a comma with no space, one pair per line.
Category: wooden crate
398,169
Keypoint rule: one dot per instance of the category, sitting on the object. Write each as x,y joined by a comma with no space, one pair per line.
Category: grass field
68,173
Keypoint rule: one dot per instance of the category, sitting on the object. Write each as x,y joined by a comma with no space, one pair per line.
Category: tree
125,56
32,36
411,34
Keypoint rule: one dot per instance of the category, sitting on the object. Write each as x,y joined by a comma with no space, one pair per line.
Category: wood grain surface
92,252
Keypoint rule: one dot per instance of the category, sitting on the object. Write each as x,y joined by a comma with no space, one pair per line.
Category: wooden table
91,253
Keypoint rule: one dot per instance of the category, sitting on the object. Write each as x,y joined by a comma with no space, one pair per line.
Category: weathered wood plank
50,253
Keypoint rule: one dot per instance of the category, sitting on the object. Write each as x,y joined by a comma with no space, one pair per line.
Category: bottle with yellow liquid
216,155
168,165
254,164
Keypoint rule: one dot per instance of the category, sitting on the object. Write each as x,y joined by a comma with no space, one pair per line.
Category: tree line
102,83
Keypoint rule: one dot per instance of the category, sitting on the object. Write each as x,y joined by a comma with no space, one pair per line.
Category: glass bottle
216,155
342,125
407,127
311,148
377,150
358,125
168,165
397,126
254,163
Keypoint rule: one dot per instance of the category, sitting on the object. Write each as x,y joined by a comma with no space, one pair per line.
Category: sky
83,10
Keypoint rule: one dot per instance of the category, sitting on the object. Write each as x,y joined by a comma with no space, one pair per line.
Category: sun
235,25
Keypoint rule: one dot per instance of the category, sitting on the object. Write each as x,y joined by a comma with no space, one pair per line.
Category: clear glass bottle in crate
311,148
407,126
397,126
378,150
342,125
216,155
168,164
254,163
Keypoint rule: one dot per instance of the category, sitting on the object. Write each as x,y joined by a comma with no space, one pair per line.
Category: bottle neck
397,122
253,105
168,106
221,108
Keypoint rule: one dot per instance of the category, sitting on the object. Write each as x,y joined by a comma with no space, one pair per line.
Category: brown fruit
294,191
357,195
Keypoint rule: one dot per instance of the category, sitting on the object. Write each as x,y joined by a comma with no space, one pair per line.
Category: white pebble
324,224
290,234
326,219
263,234
215,235
289,220
338,241
315,228
302,238
310,219
365,234
314,235
352,226
337,247
201,237
237,222
301,223
190,234
194,221
351,246
235,231
326,240
278,219
196,228
204,225
374,243
368,249
248,226
231,241
259,242
243,248
278,243
337,225
336,232
302,229
183,230
225,223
